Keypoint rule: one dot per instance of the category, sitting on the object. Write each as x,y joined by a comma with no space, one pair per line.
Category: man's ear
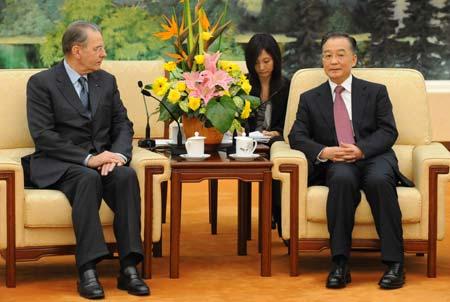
76,51
354,60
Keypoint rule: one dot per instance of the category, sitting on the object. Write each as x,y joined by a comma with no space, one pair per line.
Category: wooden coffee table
219,166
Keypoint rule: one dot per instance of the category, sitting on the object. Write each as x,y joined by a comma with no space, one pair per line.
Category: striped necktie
84,95
344,131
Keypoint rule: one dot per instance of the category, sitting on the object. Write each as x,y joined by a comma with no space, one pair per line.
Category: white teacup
195,145
245,146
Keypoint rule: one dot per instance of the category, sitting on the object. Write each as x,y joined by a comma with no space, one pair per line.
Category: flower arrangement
217,93
198,84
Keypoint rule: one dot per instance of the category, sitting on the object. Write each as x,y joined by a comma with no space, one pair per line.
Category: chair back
406,88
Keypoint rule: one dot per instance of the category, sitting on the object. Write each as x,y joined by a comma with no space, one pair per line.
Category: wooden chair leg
163,201
213,184
434,171
10,269
10,257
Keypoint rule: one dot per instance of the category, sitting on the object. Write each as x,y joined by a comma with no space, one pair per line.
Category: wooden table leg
242,215
266,225
260,213
248,208
213,205
175,224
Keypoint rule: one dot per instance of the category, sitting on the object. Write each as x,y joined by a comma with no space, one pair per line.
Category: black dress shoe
394,277
130,281
89,287
339,276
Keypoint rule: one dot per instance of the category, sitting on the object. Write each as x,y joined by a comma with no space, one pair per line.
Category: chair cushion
409,199
50,208
404,155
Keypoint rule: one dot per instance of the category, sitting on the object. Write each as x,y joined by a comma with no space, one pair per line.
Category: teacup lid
242,136
197,136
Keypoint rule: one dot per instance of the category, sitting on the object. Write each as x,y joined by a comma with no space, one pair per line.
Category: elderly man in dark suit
83,145
346,129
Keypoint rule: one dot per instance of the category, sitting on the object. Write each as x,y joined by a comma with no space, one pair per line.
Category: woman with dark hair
263,59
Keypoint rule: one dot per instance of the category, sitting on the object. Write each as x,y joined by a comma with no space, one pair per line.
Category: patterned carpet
210,269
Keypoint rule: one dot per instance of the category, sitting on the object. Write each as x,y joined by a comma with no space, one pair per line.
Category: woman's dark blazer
279,100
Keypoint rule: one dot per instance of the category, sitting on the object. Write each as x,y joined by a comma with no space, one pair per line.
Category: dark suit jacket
372,119
62,130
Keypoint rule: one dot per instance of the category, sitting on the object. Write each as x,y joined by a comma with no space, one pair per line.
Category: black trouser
276,204
377,178
85,188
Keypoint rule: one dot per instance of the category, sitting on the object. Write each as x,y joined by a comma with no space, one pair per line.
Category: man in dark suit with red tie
346,129
83,144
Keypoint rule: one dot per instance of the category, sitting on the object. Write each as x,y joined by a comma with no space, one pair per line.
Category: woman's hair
255,46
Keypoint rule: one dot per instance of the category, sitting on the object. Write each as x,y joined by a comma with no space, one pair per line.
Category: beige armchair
426,163
36,223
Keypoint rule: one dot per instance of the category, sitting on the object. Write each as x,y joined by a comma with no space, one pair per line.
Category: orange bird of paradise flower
171,29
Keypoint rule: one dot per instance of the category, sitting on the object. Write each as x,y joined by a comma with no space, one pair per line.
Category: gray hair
76,34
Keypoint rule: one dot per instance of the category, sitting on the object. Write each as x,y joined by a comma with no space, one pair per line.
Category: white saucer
244,157
195,158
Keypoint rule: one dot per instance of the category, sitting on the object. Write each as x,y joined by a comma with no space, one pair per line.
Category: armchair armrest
151,169
291,168
429,161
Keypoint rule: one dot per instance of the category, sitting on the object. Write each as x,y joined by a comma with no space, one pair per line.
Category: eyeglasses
329,57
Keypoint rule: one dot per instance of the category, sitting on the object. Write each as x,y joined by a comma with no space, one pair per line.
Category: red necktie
342,121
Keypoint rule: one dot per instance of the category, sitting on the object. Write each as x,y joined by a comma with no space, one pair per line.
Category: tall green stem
187,15
225,11
200,31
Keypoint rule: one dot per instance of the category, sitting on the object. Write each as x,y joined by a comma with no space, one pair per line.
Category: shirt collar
347,84
73,75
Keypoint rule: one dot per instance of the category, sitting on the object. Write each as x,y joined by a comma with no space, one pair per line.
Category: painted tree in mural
383,48
275,17
29,18
340,19
127,30
302,20
359,16
445,22
309,27
422,49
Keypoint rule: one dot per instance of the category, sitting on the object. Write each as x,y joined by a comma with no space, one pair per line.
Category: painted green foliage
23,17
127,30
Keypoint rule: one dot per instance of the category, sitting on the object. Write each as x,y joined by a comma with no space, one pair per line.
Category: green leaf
234,89
184,106
239,102
164,115
221,113
254,101
235,125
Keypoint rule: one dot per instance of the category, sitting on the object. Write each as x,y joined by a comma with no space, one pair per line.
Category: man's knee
85,176
379,180
124,174
343,175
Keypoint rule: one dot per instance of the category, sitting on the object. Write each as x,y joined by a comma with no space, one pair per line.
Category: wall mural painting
403,33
